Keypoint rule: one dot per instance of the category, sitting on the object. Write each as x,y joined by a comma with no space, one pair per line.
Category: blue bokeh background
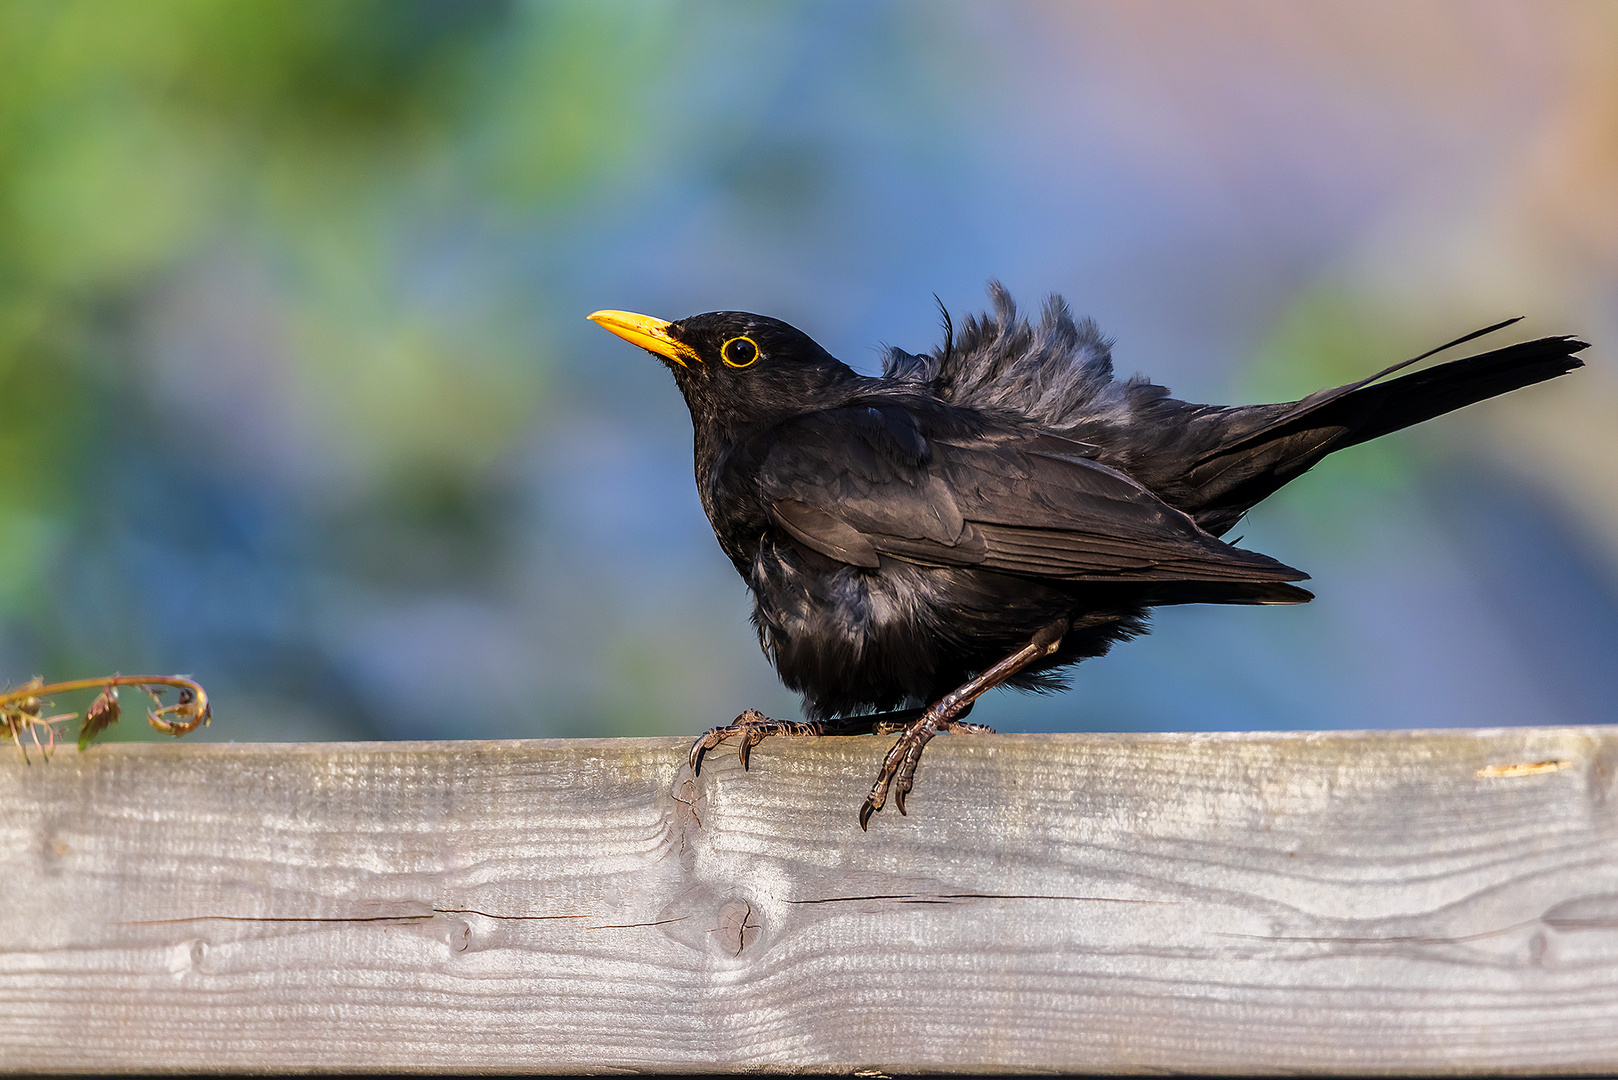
299,396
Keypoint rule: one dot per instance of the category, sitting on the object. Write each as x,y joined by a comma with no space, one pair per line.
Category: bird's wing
857,484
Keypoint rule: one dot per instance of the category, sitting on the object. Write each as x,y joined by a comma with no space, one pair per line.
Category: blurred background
297,393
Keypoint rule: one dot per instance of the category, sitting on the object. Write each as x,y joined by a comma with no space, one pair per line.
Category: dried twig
20,708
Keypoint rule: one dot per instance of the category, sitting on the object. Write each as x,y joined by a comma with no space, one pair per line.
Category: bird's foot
753,727
898,770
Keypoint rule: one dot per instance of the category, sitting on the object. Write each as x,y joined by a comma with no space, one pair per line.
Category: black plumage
997,509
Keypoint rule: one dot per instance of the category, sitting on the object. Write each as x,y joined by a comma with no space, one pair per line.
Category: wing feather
1019,502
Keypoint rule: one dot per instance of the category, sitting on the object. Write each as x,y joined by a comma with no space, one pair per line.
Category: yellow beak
649,333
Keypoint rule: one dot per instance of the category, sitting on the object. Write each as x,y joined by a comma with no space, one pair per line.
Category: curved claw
753,735
945,715
705,742
878,794
898,772
754,727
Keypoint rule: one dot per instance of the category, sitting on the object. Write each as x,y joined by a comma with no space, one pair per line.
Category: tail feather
1223,592
1268,445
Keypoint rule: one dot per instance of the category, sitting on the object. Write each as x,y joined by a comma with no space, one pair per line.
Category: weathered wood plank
1403,901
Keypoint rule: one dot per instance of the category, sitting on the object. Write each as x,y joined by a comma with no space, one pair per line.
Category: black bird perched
997,509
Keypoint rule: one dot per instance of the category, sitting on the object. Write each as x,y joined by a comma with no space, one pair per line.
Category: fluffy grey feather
1055,375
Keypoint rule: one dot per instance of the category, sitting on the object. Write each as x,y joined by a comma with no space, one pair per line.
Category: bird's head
737,369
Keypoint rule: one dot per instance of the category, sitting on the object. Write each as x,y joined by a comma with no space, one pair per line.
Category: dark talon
753,727
897,775
754,735
705,742
898,772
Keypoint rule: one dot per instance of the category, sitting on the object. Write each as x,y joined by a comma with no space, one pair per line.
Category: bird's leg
899,767
754,727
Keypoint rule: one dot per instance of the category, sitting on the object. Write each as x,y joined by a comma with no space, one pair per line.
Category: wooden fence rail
1330,903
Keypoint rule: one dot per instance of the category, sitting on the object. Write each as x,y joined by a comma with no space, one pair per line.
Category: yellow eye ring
750,350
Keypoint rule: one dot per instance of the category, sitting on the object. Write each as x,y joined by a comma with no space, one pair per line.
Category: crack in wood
277,919
633,925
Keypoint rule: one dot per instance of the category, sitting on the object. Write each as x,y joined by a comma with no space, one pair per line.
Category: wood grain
1329,903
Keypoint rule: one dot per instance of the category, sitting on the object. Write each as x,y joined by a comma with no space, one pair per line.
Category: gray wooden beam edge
1333,903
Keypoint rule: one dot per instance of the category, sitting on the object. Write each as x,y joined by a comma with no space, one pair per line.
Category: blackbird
994,510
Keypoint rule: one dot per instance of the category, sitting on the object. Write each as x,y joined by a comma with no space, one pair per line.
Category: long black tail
1264,446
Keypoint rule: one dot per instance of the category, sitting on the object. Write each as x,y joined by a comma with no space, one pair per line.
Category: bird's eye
739,351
